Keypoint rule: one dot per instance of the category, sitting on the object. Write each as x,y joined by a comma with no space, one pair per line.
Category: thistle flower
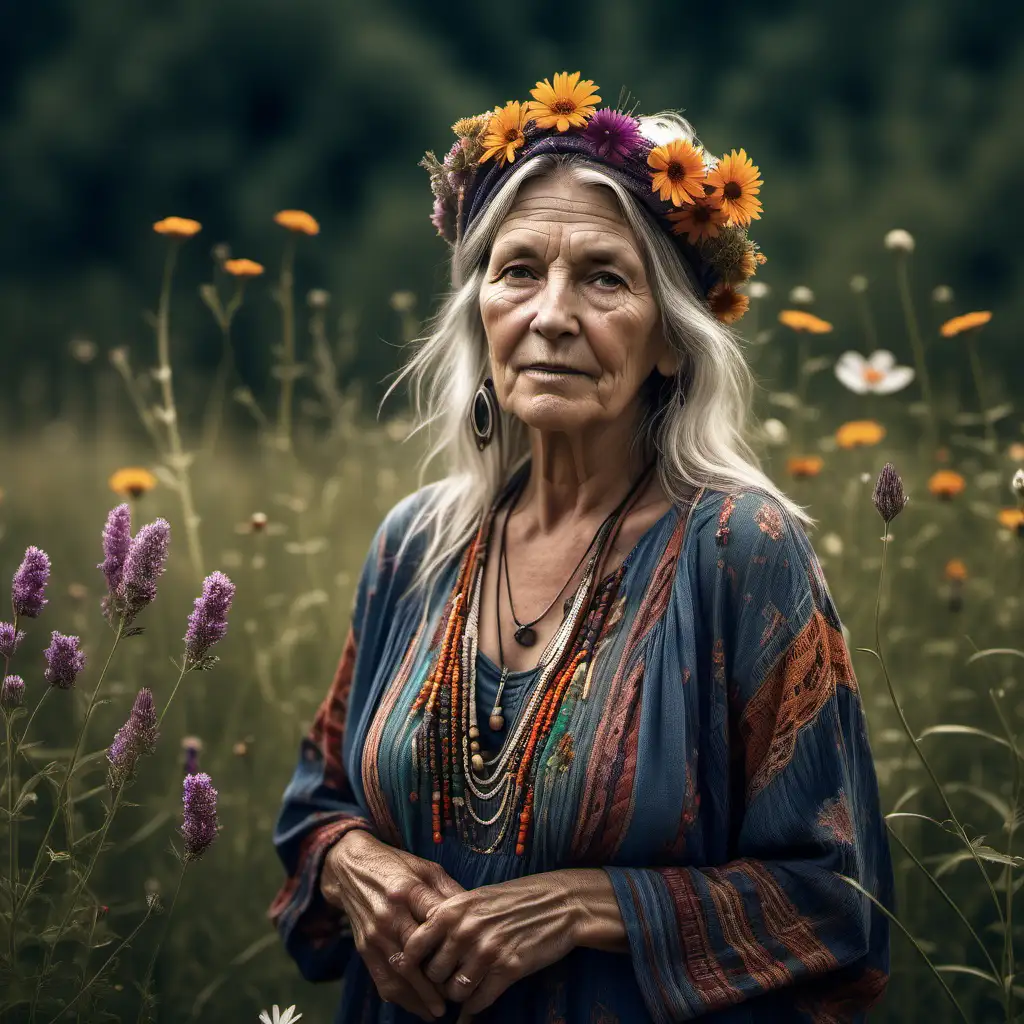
12,693
143,566
64,660
199,806
888,495
29,583
440,218
9,639
117,539
614,135
136,737
209,619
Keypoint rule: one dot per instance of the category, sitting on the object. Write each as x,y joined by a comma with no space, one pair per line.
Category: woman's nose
556,313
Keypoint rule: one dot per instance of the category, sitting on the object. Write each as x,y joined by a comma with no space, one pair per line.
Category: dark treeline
862,117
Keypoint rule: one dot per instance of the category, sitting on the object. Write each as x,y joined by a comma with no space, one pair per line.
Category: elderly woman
595,750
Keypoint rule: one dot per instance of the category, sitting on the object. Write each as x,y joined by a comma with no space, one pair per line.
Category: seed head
888,495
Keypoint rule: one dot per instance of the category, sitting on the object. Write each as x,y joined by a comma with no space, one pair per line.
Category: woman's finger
393,988
463,983
427,937
412,978
441,965
490,988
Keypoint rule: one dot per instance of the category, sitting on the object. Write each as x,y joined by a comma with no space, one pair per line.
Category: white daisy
878,373
288,1017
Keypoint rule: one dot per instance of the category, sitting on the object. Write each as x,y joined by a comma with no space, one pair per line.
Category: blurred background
887,114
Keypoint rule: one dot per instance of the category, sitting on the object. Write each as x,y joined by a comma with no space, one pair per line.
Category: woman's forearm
596,919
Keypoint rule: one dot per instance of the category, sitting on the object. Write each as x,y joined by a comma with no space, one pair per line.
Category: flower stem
181,675
1009,957
913,331
215,407
156,950
287,300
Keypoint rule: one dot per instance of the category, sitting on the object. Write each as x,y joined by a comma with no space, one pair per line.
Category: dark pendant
483,421
525,636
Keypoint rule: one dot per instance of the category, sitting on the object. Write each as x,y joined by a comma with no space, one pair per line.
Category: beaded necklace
445,744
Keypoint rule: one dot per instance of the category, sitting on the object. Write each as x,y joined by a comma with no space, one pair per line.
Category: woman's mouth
553,371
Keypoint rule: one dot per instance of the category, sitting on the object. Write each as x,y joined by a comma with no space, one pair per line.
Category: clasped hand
424,938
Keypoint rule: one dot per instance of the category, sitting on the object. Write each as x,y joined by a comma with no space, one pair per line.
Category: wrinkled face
571,324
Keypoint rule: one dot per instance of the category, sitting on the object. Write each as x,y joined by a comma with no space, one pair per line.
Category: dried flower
136,737
888,495
209,619
298,221
967,322
440,218
132,482
117,539
29,583
727,304
199,824
736,182
569,103
858,433
143,566
877,374
946,484
177,227
12,693
614,135
64,660
899,240
678,171
798,320
9,639
243,268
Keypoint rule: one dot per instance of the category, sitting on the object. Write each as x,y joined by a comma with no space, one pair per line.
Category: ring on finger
462,979
395,957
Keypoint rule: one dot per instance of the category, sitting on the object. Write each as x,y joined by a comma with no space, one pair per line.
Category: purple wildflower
440,218
136,737
12,693
615,136
64,660
117,538
143,566
30,582
209,619
9,639
191,745
199,825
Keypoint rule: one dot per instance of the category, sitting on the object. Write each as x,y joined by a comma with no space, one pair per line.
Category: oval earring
483,414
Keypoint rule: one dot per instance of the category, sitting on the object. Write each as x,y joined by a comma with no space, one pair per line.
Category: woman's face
566,286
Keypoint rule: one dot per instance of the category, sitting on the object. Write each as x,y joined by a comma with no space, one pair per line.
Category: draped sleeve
323,800
774,921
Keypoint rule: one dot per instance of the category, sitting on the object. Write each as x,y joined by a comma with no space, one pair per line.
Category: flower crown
706,203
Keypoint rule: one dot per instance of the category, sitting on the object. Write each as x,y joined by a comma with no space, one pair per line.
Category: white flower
774,431
858,284
899,240
758,290
832,544
1017,484
801,295
942,293
878,373
279,1017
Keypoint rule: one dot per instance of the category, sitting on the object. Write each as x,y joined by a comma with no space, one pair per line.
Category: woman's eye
614,278
515,266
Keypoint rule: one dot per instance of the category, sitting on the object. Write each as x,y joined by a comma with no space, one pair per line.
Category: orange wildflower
569,103
1016,451
946,484
243,268
967,322
132,481
701,219
505,132
859,432
1012,518
798,320
678,171
727,304
804,465
177,227
737,182
956,570
298,221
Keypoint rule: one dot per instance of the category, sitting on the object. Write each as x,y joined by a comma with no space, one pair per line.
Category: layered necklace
481,796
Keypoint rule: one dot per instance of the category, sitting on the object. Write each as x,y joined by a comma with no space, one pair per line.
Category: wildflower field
183,552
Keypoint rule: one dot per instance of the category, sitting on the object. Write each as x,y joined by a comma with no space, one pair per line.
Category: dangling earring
483,414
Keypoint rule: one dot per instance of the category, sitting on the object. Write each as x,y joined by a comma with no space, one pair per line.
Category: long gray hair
701,443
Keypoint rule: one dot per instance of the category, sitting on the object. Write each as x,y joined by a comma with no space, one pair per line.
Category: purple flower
117,538
9,639
30,582
64,660
199,825
143,566
889,496
209,619
12,693
440,218
191,745
136,737
615,136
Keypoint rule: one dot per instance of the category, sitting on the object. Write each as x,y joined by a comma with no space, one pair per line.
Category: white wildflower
877,374
801,295
288,1017
899,240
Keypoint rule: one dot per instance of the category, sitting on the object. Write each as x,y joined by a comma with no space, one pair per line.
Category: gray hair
701,443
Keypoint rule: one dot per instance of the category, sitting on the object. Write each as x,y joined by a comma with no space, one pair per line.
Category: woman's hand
386,893
483,940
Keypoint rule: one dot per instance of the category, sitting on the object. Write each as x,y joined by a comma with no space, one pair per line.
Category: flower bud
899,240
888,495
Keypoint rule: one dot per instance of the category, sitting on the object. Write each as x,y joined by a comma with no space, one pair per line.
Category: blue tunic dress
717,767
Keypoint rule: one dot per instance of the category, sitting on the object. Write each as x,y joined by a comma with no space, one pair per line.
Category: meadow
112,909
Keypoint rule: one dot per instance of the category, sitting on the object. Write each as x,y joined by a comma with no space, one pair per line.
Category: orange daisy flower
243,268
956,570
946,484
728,304
505,132
569,103
132,481
1012,519
679,171
298,221
967,322
177,227
859,432
737,181
804,465
701,219
798,320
